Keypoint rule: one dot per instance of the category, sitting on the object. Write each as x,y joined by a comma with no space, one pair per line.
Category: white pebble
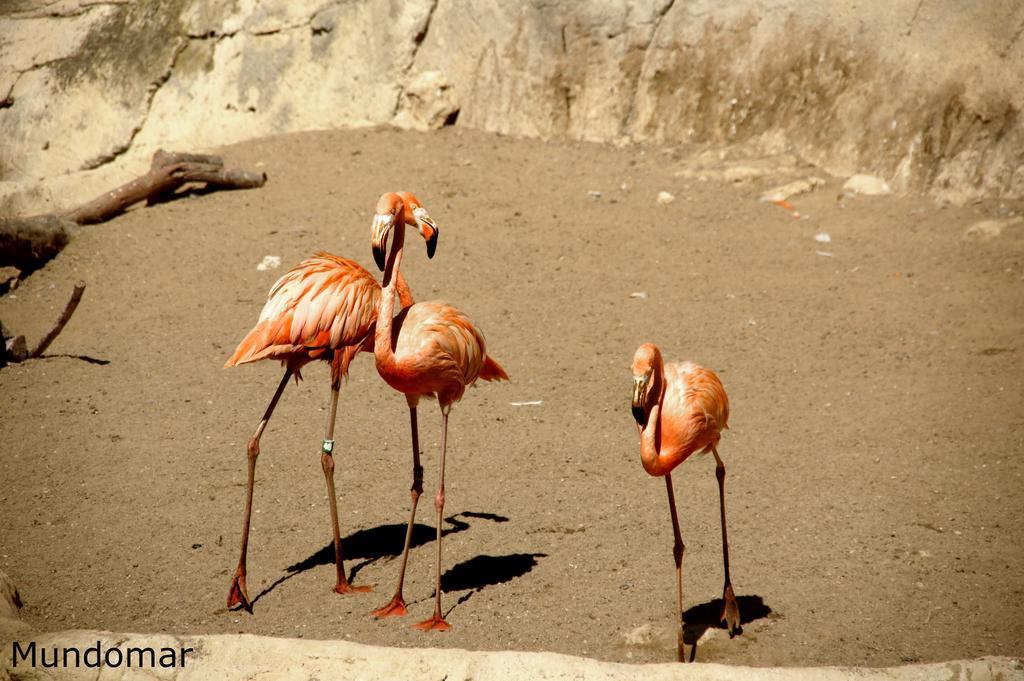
269,262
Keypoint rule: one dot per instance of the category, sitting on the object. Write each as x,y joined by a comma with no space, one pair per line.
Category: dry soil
874,455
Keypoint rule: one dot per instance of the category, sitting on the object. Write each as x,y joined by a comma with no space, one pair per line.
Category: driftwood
15,349
28,243
69,309
168,172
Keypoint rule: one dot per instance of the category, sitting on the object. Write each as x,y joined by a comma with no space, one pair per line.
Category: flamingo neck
650,436
383,351
405,297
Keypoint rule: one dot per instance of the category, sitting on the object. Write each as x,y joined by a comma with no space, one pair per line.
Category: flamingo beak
382,224
639,387
432,240
428,229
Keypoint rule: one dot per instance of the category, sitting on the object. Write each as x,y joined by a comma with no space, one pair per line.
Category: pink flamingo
323,308
428,350
681,409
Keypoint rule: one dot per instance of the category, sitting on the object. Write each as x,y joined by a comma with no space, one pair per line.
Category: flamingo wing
704,391
442,343
694,410
324,303
493,371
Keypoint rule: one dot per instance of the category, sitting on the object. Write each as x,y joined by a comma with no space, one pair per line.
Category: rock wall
925,93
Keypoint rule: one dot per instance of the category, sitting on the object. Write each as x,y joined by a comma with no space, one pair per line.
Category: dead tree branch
15,349
29,243
69,309
168,172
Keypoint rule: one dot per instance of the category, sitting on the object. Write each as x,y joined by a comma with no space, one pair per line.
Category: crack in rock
309,22
318,23
421,36
151,91
631,111
70,13
41,65
117,644
7,101
212,35
1013,41
418,40
278,29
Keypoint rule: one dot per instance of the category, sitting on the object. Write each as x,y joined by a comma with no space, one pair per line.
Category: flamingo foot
238,595
730,611
435,623
396,608
344,588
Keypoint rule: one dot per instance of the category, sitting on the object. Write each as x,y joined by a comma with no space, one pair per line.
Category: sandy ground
874,456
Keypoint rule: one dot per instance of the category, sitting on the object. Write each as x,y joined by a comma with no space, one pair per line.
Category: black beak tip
432,245
638,414
378,257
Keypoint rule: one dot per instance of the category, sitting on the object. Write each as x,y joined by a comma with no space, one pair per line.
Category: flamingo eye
422,217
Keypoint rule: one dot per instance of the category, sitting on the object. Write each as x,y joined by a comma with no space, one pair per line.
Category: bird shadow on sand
84,358
698,619
374,543
480,572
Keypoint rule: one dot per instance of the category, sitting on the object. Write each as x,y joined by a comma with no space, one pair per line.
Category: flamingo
428,350
323,308
681,409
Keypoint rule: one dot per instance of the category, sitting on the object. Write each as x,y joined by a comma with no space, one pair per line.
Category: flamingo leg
730,609
677,553
237,595
327,463
437,623
397,605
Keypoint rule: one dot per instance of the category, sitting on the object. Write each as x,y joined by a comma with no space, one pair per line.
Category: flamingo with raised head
427,350
324,308
681,409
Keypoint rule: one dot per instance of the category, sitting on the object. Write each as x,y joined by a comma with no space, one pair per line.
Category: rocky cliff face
926,93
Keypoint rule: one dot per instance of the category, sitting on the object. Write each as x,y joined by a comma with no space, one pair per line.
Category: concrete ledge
229,657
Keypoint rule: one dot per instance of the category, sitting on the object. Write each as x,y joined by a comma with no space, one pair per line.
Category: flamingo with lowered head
681,409
323,308
427,350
